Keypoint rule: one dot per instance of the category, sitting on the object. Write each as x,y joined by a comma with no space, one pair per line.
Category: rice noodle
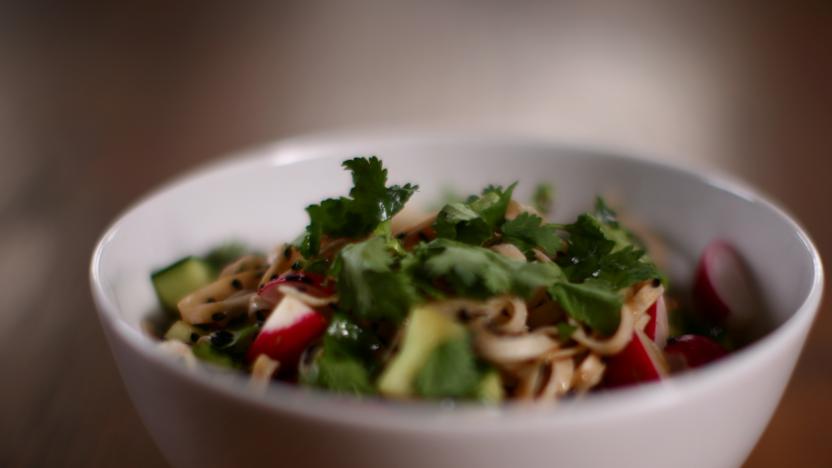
512,349
615,343
226,296
262,371
560,379
217,312
245,263
281,262
589,373
635,306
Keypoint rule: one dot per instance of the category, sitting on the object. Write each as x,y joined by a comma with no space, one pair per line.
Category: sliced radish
658,328
309,283
688,351
640,361
722,289
289,329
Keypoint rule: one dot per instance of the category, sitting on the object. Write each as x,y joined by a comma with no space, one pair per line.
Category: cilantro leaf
346,360
599,251
450,371
368,285
533,275
370,203
592,302
344,337
474,221
338,373
476,272
527,231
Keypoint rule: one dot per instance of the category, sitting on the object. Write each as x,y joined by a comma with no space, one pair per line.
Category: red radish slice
639,362
658,328
688,351
722,289
309,283
287,332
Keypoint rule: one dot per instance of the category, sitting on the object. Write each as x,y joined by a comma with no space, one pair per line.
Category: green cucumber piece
183,277
205,352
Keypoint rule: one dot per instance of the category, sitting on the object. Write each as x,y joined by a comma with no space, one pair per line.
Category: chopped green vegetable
450,371
368,285
591,302
370,203
527,231
206,352
543,198
342,374
600,251
179,279
476,272
490,389
474,221
425,330
346,338
235,340
565,330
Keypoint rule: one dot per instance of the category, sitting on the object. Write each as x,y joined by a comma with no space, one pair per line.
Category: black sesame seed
210,300
194,337
218,316
236,284
221,338
656,282
297,266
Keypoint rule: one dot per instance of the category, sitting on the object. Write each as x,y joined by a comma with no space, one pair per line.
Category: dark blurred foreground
99,101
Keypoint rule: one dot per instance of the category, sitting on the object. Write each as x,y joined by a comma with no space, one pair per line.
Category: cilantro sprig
370,203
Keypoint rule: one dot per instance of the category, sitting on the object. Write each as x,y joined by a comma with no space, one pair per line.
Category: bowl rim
421,415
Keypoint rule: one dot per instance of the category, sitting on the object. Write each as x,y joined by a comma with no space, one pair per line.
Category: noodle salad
483,300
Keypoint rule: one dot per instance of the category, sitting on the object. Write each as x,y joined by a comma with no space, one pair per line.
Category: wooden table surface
101,102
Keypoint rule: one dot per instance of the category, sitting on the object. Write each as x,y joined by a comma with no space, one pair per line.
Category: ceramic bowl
710,417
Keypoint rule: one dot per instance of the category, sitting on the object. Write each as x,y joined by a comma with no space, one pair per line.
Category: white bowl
705,418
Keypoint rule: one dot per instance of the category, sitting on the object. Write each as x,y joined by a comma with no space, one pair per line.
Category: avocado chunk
425,330
179,279
490,389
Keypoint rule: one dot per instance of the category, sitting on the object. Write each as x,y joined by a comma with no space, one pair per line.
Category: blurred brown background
100,101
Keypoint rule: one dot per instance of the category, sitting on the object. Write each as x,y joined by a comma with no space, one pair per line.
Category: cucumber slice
180,279
184,332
